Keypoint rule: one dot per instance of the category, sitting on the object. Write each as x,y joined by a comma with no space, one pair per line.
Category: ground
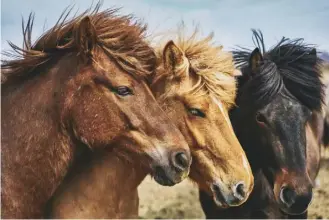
181,201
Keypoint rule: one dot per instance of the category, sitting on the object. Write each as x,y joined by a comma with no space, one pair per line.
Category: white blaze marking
245,163
220,106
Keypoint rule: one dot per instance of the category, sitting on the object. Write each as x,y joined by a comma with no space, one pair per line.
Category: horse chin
166,176
299,203
162,178
219,199
290,211
220,203
164,181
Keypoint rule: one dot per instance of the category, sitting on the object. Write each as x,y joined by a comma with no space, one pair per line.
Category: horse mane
289,65
214,67
120,37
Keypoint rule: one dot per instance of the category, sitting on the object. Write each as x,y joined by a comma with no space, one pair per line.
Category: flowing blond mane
214,66
121,37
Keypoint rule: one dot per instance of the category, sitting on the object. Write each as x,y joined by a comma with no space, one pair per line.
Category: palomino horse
277,93
80,88
196,87
187,83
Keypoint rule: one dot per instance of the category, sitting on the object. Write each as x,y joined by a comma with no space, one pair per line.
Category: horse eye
260,118
197,112
310,113
123,91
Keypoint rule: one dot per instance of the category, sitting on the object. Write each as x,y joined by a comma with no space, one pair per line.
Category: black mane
291,65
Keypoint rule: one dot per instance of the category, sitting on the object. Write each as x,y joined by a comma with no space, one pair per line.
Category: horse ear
85,37
313,52
255,60
313,56
172,56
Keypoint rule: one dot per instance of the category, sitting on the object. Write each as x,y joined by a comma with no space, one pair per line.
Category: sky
230,20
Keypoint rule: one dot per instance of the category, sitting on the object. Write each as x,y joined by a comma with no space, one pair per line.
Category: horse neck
246,137
127,172
316,124
109,170
32,139
99,189
313,148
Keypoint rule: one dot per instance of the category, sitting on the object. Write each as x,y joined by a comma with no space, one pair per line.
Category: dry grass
181,201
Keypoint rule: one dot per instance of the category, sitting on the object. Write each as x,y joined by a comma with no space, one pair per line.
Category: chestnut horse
279,95
80,88
187,84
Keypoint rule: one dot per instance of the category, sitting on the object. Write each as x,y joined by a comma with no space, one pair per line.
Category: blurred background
231,22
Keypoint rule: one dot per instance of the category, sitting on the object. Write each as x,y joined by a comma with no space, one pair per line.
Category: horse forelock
213,67
288,65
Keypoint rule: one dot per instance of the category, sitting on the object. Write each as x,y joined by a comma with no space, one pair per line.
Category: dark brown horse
78,90
261,203
279,96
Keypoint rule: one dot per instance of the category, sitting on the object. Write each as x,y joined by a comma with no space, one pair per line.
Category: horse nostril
288,196
239,191
219,197
180,161
159,171
216,188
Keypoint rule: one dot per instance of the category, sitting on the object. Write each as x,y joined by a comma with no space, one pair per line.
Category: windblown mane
214,66
289,65
120,37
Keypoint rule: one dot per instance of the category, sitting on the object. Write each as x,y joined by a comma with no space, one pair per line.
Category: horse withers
80,88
